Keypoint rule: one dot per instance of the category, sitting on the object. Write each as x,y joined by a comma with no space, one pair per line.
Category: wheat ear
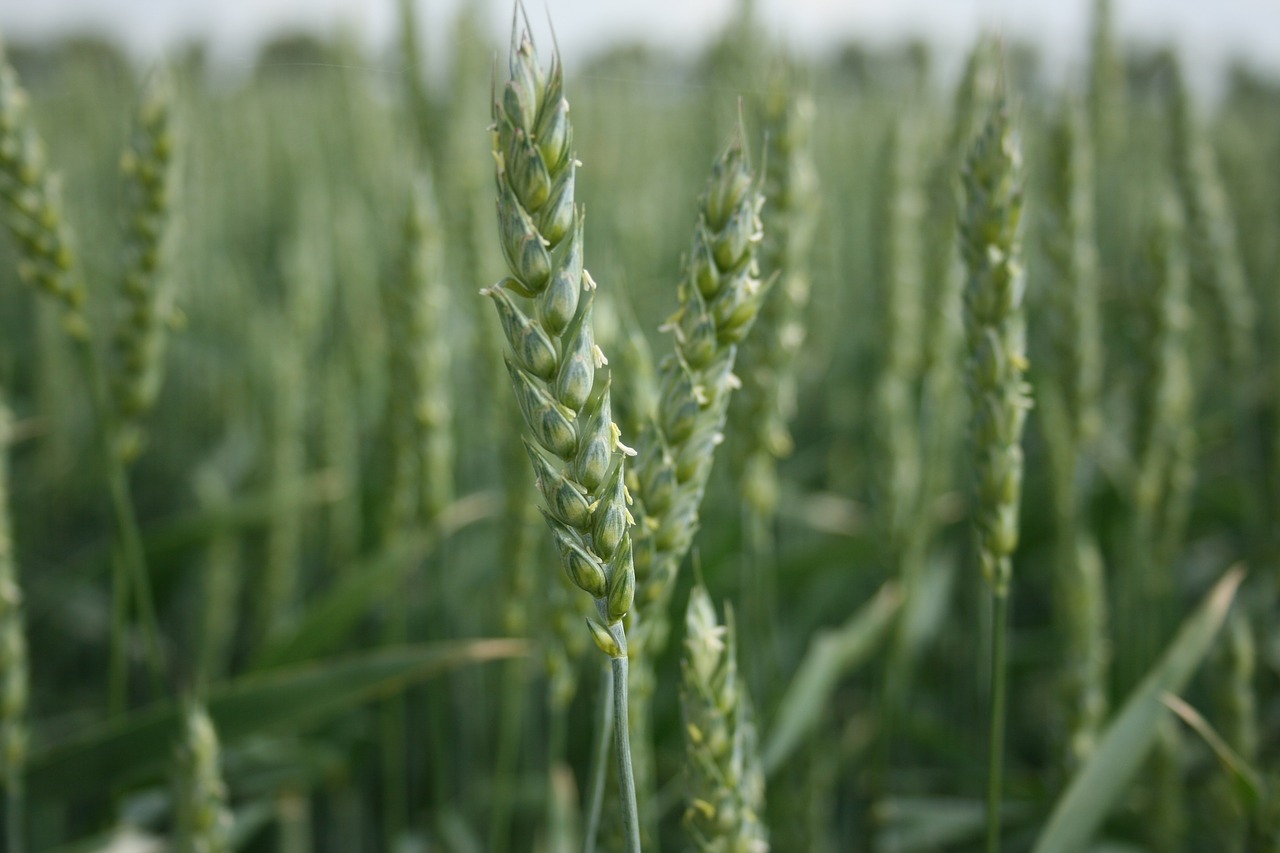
556,367
725,777
991,244
148,166
203,822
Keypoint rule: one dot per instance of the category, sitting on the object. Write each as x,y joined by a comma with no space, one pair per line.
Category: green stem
760,596
622,744
129,539
118,689
999,677
558,724
599,761
510,726
13,816
395,807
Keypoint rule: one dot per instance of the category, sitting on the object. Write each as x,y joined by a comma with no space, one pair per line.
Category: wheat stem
599,761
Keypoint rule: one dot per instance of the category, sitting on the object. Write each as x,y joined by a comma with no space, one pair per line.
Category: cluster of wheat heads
308,472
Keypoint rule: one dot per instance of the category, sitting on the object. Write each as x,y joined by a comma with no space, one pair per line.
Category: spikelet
725,777
1068,236
1164,430
147,310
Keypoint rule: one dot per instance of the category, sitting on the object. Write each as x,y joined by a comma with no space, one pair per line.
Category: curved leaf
142,742
1095,790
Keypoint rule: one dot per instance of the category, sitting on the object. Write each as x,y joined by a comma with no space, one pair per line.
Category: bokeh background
338,521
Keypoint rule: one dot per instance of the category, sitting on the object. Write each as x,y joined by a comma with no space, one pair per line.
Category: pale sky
1208,31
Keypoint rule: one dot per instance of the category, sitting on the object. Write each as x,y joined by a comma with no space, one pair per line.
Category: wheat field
734,453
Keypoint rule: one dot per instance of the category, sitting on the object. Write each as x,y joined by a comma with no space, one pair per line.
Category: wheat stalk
766,403
720,296
1235,702
47,261
1072,419
33,207
14,677
991,245
556,368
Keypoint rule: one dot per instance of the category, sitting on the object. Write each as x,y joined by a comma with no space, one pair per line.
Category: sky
1209,32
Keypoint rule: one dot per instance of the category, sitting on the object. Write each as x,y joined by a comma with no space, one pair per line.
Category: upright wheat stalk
766,405
556,368
719,300
418,427
33,214
1071,420
942,398
1164,443
767,402
995,332
14,678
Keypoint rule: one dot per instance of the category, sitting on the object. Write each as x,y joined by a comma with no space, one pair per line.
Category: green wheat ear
767,403
203,821
554,364
557,370
722,764
720,297
33,207
995,331
147,310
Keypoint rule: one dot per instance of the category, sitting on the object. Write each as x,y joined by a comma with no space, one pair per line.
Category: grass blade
831,655
132,746
1096,789
329,620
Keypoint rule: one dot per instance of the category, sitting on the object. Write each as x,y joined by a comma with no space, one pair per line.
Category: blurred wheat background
272,575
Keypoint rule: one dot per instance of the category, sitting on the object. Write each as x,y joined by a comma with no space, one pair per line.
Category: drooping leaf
330,619
1096,788
831,655
141,743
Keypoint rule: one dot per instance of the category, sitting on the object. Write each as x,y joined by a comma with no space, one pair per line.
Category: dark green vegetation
264,462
